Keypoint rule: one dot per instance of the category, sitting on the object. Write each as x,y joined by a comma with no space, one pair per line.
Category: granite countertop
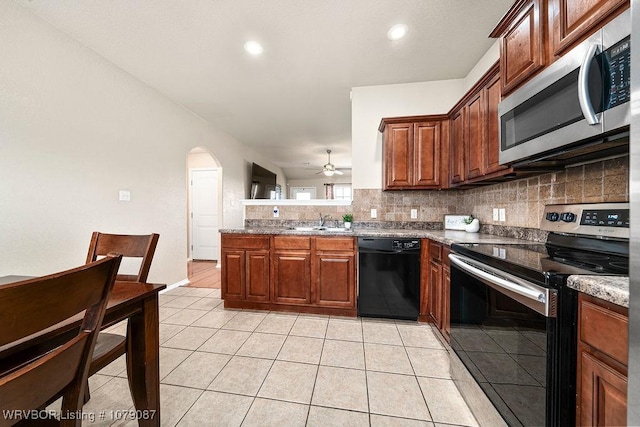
614,289
446,237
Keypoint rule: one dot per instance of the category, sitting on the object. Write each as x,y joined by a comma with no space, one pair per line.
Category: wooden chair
130,246
59,363
111,346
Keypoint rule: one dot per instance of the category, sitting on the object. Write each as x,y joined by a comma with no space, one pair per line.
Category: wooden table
137,302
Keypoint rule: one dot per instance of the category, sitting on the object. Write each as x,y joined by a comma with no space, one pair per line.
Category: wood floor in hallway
203,274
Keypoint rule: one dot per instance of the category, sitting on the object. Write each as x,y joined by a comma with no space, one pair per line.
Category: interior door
204,215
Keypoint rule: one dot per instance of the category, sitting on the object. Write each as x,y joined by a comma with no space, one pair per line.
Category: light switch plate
374,213
276,212
124,196
503,214
454,222
414,213
496,214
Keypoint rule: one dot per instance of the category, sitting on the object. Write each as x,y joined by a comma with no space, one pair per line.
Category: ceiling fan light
328,172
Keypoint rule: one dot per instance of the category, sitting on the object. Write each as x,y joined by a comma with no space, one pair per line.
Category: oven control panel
593,219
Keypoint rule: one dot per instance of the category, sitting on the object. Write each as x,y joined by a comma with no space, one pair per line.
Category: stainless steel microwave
576,110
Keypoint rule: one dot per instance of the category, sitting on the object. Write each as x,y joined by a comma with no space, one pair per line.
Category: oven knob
553,216
568,217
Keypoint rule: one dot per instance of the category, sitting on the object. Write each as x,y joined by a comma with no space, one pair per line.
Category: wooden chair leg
87,393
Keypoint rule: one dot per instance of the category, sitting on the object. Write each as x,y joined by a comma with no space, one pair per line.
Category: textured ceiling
292,103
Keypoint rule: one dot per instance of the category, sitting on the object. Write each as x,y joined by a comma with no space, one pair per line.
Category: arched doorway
204,197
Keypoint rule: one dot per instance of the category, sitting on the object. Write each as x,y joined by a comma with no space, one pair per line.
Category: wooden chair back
129,246
32,306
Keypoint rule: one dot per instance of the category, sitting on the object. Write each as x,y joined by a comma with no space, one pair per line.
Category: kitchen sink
334,229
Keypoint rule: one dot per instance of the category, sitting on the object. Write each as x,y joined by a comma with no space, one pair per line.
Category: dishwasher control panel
406,244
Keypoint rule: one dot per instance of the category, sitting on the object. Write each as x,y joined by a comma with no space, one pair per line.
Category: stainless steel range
513,319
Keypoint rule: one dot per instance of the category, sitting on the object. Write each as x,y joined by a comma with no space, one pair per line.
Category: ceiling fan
329,169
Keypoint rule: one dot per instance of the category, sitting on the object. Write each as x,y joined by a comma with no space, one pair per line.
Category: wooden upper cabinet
534,33
398,149
575,19
475,139
426,161
412,152
492,123
522,35
457,147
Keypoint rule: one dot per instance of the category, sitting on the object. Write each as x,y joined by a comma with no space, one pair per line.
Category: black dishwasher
389,278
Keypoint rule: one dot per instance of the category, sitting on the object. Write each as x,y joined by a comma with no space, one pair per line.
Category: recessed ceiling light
397,32
253,47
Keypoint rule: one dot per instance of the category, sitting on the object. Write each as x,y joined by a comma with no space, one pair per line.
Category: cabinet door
492,133
335,280
233,274
446,297
435,293
424,280
291,277
398,149
426,154
603,394
456,150
522,46
475,136
577,18
257,279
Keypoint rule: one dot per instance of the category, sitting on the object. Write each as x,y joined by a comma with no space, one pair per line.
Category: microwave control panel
618,68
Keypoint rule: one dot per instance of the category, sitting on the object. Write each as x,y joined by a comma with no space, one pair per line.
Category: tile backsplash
523,199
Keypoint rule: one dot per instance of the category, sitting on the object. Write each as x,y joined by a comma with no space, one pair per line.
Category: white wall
370,104
487,60
75,129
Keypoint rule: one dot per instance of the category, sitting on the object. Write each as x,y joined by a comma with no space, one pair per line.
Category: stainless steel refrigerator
633,398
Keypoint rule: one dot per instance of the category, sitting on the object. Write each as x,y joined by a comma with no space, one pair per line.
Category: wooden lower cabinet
333,278
434,286
603,398
291,277
602,363
293,273
435,293
245,267
446,295
257,280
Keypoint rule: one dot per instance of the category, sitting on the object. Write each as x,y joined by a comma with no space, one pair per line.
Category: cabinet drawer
292,242
335,244
605,330
244,242
435,251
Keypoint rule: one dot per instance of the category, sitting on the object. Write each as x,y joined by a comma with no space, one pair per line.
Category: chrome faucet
324,218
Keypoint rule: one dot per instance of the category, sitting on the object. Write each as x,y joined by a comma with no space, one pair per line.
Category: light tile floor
247,368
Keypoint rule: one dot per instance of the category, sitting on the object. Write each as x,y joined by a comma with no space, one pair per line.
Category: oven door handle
536,297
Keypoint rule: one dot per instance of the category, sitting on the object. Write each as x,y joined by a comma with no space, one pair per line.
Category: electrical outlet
503,214
496,214
374,213
414,213
276,212
124,196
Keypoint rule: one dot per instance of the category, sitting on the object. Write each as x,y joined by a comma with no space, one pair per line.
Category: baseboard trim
175,285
